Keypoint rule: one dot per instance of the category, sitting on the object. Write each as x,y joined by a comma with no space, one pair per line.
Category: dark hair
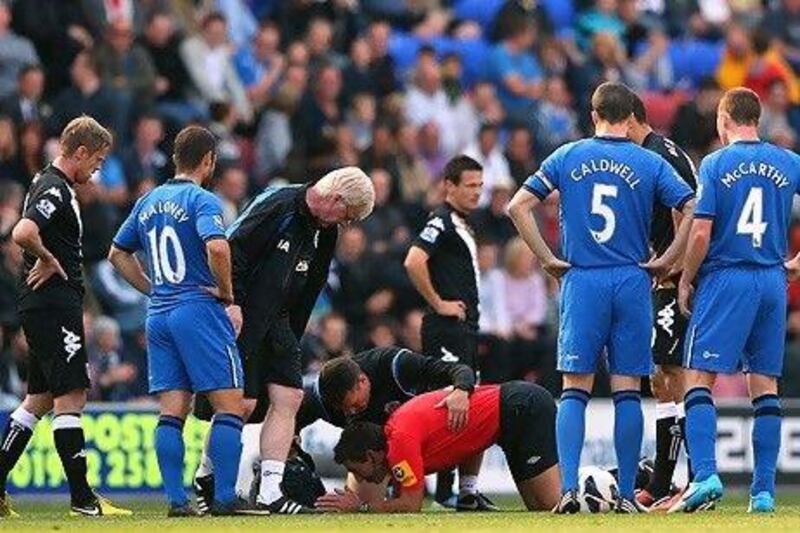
709,83
742,105
457,166
487,126
191,146
426,50
27,69
639,111
761,41
214,16
613,102
356,440
336,379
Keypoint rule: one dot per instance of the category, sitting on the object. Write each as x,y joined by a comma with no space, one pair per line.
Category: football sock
766,442
251,456
170,454
701,432
271,477
224,449
16,435
467,484
570,430
682,424
628,428
668,445
444,485
70,444
205,467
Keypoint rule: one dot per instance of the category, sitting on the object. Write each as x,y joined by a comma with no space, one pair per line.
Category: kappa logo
81,453
448,356
437,223
666,317
283,245
55,192
302,266
71,343
46,208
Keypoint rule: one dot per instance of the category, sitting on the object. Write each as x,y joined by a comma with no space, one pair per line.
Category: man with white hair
282,245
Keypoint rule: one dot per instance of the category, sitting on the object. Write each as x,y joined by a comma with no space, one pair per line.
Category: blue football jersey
171,225
747,189
608,187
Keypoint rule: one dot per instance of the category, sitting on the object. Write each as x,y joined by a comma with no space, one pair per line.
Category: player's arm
219,261
408,501
416,265
129,267
26,235
661,266
699,239
520,209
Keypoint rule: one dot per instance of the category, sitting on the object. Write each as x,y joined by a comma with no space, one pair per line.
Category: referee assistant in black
51,312
669,327
442,264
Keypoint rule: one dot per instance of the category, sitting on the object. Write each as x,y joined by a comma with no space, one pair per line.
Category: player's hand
453,308
43,270
457,403
657,267
793,268
685,294
235,314
556,267
216,293
339,501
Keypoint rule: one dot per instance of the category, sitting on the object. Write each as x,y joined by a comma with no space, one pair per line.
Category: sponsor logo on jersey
55,192
403,474
710,355
46,208
302,266
71,343
283,245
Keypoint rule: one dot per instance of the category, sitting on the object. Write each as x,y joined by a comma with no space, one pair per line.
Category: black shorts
450,340
271,354
57,350
527,429
204,411
669,328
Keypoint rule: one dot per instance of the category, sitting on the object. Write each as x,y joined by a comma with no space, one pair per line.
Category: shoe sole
708,503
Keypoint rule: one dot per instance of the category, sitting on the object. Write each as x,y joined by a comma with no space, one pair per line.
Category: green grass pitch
149,516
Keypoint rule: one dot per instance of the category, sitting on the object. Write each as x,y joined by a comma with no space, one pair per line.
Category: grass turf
51,515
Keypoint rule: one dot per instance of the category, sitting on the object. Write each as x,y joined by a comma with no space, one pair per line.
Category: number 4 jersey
608,187
746,188
171,225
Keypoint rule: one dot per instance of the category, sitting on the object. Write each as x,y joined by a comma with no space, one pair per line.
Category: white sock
681,411
251,456
271,477
666,410
25,418
467,484
205,468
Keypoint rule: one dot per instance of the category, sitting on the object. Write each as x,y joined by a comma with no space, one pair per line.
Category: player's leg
225,443
174,406
276,438
541,492
665,386
250,460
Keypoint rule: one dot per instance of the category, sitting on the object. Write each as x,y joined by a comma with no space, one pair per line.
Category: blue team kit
739,314
191,341
608,187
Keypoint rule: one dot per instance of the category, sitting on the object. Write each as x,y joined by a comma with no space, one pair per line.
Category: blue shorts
606,308
738,322
192,348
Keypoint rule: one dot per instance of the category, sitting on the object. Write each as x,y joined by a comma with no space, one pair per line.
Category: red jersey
420,442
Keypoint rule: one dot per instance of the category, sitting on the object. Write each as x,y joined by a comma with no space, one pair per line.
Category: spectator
486,104
556,118
25,104
606,63
208,60
242,24
172,82
782,23
411,333
381,153
519,154
88,95
143,158
491,222
382,65
223,123
602,18
330,343
414,176
695,126
319,40
111,376
430,150
385,228
516,73
775,109
10,162
382,334
489,153
16,52
736,58
14,368
355,274
495,323
260,64
347,153
361,119
316,120
126,66
652,70
768,66
358,74
31,148
231,188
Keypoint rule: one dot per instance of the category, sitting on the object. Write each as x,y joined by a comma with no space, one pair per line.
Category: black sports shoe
568,504
238,508
626,506
98,506
475,502
204,492
285,505
182,511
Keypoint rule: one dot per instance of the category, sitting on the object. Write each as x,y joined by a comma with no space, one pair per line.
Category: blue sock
570,430
701,432
766,442
628,428
224,450
169,451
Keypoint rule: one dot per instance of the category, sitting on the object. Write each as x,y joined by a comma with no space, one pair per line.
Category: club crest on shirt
403,474
55,192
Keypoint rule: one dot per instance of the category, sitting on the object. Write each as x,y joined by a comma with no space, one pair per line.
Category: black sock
70,443
690,472
668,445
444,485
16,435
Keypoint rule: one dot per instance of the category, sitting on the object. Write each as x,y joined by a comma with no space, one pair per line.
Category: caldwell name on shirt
609,166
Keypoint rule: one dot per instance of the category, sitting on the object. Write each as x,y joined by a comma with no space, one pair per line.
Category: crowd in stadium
294,88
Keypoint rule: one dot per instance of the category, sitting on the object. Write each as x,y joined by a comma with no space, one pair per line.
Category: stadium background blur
294,88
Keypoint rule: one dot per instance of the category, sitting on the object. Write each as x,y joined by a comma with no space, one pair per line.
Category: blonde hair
514,249
85,131
353,186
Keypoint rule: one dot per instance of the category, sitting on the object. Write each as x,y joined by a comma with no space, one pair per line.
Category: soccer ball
598,490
